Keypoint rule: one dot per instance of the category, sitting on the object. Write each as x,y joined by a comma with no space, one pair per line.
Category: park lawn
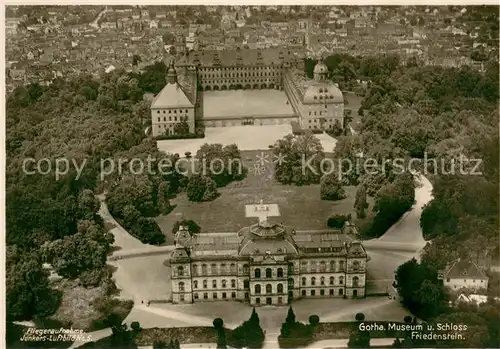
184,335
299,206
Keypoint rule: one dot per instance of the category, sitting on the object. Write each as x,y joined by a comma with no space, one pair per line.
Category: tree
254,318
249,334
290,317
360,317
222,164
358,338
331,188
201,188
162,197
135,326
159,344
148,231
420,290
338,220
314,320
88,204
136,190
210,190
35,91
130,215
360,203
477,329
27,287
218,323
394,199
75,254
181,128
136,59
302,155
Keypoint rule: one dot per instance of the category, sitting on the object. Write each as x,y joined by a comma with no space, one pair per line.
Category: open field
299,207
247,138
237,103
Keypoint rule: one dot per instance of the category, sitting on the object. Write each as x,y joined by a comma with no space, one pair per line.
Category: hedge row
185,136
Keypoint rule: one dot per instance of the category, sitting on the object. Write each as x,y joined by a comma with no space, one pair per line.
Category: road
95,22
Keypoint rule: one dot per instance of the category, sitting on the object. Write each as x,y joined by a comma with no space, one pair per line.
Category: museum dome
322,93
267,238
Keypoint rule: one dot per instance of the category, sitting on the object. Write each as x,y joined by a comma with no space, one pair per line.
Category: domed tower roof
320,71
171,73
267,237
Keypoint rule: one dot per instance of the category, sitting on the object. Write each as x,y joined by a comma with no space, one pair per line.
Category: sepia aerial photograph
251,176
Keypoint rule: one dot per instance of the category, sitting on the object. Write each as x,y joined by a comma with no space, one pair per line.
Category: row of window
240,75
314,265
181,118
170,111
320,97
214,284
214,295
255,68
269,273
224,295
319,120
355,281
269,289
322,292
212,82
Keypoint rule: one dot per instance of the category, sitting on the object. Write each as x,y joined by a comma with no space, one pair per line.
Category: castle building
267,264
174,104
317,103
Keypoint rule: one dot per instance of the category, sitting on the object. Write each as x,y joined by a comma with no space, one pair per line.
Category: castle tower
320,71
171,73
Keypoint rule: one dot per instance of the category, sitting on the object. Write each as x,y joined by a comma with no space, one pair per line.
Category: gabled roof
171,96
464,269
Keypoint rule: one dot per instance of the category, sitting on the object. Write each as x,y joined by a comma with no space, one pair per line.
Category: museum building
317,103
267,264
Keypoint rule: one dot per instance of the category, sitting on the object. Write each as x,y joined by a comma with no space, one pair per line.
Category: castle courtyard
240,103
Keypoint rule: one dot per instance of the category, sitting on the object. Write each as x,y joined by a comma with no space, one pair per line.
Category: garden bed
184,335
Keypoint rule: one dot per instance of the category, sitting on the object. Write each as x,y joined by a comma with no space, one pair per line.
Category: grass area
79,305
146,337
76,307
184,335
300,207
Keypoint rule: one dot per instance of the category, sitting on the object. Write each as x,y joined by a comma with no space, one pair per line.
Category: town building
317,103
267,264
464,273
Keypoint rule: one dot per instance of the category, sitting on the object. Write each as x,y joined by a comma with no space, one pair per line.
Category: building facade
174,104
267,264
317,103
464,274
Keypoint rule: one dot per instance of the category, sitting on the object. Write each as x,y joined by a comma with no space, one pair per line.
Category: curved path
407,230
123,239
